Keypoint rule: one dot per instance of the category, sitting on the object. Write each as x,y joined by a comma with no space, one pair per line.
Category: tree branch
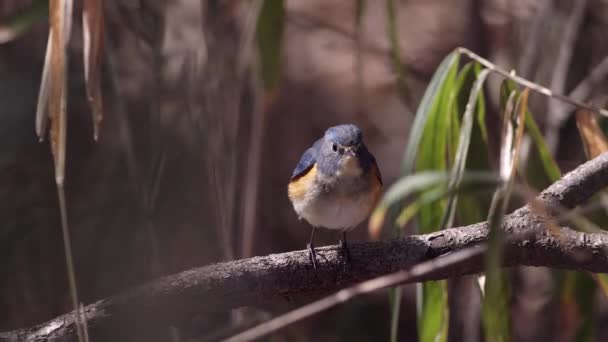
288,278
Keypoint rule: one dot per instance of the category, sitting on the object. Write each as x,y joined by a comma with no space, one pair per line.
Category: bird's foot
312,254
344,251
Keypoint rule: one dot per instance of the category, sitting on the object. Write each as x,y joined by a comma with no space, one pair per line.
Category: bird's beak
352,152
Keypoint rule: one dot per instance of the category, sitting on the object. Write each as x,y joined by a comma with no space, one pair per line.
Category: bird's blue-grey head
342,152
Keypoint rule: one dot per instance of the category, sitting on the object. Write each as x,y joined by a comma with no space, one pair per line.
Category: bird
336,184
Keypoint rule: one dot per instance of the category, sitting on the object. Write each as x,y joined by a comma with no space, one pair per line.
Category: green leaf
578,304
411,184
432,155
602,281
463,146
394,297
481,111
496,295
428,104
495,306
471,183
463,83
470,209
399,69
433,185
393,38
269,33
16,25
549,165
433,313
413,208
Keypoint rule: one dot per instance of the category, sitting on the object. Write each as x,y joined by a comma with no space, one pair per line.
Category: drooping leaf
472,182
548,163
269,35
400,190
393,38
433,311
42,115
61,22
432,154
577,298
399,69
481,111
602,280
93,37
577,308
426,198
463,145
522,109
394,298
462,87
472,209
403,188
592,136
19,23
496,294
447,67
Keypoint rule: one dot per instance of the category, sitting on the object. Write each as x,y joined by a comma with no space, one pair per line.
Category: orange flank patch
298,188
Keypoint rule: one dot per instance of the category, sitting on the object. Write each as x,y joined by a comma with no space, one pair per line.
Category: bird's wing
376,170
307,161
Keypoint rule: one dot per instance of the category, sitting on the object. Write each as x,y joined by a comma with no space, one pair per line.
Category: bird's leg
311,249
344,247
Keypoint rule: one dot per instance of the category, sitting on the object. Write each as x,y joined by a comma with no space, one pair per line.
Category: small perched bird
336,183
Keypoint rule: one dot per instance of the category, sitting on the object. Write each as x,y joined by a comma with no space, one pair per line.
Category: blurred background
196,147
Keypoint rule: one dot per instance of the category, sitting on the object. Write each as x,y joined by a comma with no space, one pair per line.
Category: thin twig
69,260
347,294
529,84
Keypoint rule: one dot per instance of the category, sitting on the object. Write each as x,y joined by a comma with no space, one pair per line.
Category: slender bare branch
529,84
344,295
286,279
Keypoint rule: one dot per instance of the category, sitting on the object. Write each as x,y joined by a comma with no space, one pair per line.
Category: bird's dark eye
334,147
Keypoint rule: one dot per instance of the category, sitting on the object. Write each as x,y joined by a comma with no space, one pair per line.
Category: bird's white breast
343,207
341,214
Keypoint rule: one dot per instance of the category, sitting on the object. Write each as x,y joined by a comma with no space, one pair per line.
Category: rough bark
289,278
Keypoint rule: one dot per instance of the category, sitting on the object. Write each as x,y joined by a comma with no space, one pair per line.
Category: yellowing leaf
495,306
60,24
593,138
93,29
42,116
